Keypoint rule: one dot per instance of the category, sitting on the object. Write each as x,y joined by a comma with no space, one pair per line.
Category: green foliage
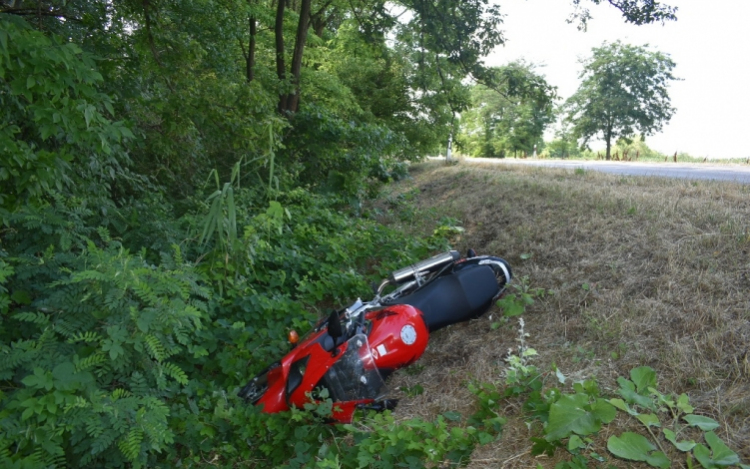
522,296
381,442
444,235
571,420
339,155
578,415
94,346
134,301
624,91
719,454
521,376
637,12
301,438
509,117
637,148
636,447
53,116
486,416
377,78
115,353
564,145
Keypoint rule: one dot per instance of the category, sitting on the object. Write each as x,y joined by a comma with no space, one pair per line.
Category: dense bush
112,346
134,301
53,116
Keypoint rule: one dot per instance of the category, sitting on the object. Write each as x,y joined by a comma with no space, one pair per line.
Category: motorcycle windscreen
354,376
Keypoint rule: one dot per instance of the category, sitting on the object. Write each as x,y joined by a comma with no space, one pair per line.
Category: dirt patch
642,271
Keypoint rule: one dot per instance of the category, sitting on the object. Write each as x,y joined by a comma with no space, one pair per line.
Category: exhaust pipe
427,265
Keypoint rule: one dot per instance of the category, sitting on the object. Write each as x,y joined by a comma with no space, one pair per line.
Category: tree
511,116
624,92
564,144
637,12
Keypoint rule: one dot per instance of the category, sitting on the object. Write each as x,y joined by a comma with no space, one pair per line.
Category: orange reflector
293,337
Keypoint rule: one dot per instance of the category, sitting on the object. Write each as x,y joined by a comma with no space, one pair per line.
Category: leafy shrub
636,147
116,345
88,350
53,115
340,155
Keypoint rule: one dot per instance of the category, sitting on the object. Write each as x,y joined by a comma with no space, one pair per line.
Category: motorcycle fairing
350,375
354,376
397,336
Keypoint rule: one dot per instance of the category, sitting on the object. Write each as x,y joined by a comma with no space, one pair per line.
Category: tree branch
38,12
321,10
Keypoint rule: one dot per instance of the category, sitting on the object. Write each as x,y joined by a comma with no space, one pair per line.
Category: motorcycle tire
502,281
500,275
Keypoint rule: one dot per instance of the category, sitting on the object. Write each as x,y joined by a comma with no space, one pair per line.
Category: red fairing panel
317,363
273,399
320,361
398,337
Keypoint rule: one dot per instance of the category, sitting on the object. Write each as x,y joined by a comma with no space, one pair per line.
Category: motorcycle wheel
502,280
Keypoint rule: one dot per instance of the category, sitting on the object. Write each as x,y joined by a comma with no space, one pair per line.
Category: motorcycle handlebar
426,265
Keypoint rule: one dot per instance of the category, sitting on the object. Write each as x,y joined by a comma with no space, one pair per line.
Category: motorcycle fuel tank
398,336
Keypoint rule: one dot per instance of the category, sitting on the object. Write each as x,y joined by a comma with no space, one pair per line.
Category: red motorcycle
355,349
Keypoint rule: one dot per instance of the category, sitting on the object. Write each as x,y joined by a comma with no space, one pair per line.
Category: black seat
458,297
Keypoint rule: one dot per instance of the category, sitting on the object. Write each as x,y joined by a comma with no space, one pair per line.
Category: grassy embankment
640,271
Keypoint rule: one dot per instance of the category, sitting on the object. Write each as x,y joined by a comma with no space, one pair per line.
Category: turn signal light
293,337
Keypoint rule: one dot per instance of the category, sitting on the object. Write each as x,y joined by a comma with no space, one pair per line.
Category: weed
414,369
515,303
574,417
412,391
582,353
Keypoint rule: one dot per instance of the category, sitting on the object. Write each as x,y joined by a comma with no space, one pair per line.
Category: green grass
640,271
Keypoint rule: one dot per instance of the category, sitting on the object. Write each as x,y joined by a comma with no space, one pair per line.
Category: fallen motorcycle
350,353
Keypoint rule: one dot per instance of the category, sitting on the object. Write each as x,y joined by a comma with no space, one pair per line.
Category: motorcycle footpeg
380,406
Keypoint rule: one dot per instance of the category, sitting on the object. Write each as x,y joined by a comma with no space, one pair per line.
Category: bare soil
640,271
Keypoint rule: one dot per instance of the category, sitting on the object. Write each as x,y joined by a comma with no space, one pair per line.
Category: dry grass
666,265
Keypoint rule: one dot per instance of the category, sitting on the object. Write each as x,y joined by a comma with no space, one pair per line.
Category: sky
709,42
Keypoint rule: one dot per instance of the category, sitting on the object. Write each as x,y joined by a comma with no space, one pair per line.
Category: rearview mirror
334,325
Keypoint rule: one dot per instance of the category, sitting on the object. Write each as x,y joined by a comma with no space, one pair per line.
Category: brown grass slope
644,271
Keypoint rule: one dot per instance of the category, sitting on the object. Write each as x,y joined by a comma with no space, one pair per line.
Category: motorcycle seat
460,296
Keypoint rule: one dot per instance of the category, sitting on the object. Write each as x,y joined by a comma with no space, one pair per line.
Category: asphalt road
729,172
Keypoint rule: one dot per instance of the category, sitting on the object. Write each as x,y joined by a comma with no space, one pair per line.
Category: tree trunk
251,50
320,20
320,26
280,65
608,139
292,104
609,147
